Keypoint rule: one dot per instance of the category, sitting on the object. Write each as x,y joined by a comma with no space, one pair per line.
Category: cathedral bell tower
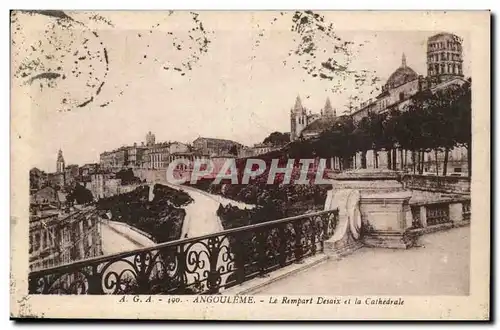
298,119
328,110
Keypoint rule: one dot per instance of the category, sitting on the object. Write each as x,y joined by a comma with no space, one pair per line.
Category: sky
238,80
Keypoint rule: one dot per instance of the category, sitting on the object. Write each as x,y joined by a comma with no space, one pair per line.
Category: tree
462,108
361,135
80,195
438,121
127,176
277,139
233,150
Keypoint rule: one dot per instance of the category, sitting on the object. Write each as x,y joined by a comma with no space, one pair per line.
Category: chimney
135,144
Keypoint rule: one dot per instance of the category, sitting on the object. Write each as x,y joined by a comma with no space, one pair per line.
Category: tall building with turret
150,139
60,166
298,119
307,124
444,57
328,110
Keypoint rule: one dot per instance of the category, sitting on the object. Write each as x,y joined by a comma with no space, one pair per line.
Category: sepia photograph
259,159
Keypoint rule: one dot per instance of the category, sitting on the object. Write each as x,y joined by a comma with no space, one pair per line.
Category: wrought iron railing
199,265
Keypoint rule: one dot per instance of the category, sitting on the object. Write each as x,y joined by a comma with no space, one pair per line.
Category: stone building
263,148
309,125
444,68
160,155
47,196
150,139
89,169
57,238
216,147
136,155
104,184
60,162
38,179
56,180
444,56
71,174
115,159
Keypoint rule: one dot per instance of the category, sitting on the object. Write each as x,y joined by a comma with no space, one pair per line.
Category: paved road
201,219
440,267
117,238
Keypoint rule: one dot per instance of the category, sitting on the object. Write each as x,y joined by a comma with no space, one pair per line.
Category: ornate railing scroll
200,265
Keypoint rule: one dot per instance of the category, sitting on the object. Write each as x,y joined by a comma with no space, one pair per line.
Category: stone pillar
81,243
423,216
456,214
386,221
42,239
347,233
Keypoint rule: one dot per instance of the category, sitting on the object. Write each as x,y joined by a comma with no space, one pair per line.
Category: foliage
80,195
233,150
272,201
277,139
162,217
437,120
127,177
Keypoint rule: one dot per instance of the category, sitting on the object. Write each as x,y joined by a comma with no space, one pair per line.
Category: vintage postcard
250,165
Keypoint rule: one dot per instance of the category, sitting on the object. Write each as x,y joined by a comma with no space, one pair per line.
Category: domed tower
60,162
402,75
444,56
298,119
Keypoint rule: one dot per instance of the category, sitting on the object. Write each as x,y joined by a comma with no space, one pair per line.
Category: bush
162,217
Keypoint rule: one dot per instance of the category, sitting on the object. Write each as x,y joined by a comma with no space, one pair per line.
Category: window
401,96
36,242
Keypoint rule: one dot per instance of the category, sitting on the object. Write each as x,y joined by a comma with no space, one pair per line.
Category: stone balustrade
434,214
445,184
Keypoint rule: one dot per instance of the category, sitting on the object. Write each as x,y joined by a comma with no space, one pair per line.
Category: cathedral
307,125
444,59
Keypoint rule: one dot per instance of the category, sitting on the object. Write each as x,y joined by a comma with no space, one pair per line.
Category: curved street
201,219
